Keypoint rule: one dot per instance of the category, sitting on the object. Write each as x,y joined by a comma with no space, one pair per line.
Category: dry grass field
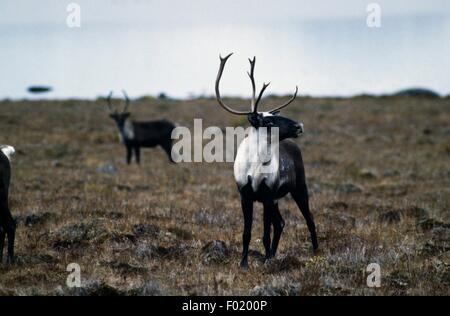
378,171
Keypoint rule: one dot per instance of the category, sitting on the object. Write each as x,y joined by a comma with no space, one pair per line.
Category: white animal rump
7,150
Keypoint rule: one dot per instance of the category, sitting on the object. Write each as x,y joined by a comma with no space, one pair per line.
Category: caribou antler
251,74
223,61
264,87
286,104
254,102
127,101
108,101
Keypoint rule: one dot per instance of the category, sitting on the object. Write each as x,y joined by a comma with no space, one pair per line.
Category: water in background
339,57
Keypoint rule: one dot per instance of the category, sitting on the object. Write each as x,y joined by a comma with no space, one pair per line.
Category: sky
172,46
153,11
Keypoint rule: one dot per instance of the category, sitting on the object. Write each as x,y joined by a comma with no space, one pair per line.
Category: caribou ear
112,115
126,114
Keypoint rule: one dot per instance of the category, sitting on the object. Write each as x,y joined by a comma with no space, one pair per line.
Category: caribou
268,181
135,135
7,223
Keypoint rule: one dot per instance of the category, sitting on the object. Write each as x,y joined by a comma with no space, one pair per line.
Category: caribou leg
8,228
11,232
167,146
137,154
247,209
129,155
302,200
278,225
268,215
2,242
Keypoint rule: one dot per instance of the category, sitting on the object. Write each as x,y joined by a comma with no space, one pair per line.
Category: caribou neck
257,160
126,132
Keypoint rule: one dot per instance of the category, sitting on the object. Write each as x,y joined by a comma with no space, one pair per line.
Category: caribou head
119,117
287,127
